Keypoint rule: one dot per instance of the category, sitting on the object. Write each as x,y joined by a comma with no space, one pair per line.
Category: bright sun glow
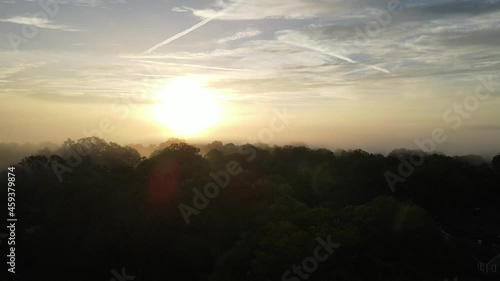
186,107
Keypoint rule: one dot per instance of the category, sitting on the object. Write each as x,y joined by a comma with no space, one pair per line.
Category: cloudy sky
370,74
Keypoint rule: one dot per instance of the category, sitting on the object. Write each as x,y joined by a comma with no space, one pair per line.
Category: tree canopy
117,209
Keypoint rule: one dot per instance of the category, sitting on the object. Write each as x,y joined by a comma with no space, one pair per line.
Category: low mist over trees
12,153
252,213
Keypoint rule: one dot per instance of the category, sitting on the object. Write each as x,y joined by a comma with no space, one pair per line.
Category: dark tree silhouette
496,162
117,209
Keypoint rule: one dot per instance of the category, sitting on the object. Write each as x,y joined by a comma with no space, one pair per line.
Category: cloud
5,72
250,32
262,9
335,9
182,9
90,3
459,7
316,56
38,22
477,38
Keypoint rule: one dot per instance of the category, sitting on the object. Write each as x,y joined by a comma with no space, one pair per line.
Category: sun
186,107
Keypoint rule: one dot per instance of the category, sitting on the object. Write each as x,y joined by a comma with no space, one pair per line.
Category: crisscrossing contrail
194,27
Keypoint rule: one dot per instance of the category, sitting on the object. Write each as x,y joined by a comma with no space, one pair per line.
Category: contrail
372,67
179,35
194,27
380,69
319,50
309,47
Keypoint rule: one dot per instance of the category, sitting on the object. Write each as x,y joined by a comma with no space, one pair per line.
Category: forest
96,210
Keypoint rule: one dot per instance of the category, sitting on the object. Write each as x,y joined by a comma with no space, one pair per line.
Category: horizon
157,146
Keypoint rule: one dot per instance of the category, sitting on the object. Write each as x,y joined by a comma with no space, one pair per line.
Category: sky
375,75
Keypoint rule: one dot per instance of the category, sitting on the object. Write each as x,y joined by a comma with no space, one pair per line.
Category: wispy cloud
313,56
262,9
182,9
38,22
17,68
248,33
306,9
